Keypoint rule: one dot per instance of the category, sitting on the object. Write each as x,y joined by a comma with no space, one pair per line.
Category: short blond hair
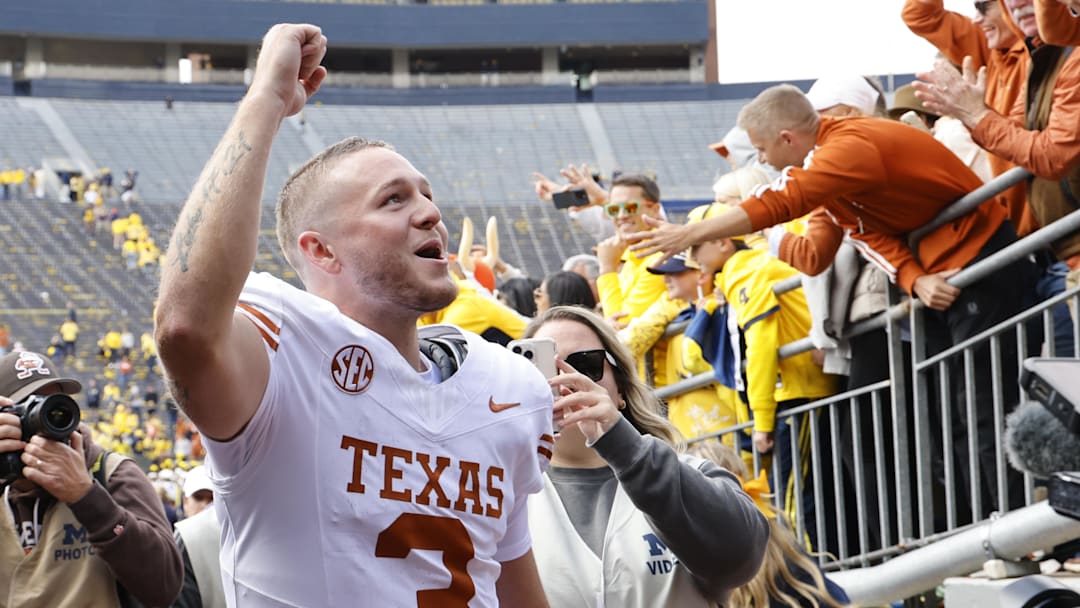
740,183
777,108
300,198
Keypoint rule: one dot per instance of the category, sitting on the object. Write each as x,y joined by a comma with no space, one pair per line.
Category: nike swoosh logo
498,407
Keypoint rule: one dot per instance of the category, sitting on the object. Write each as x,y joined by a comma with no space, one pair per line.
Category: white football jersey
357,482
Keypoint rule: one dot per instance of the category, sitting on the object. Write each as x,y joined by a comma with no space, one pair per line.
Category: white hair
591,263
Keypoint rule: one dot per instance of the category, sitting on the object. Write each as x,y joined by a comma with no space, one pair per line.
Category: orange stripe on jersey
258,314
547,438
544,452
261,323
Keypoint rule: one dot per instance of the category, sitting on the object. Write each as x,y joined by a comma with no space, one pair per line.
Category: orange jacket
1050,153
812,252
1006,71
879,180
1056,24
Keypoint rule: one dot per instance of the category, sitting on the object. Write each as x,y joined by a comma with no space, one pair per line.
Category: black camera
52,416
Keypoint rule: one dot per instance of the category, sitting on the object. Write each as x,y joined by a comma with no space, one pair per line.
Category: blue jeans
1048,285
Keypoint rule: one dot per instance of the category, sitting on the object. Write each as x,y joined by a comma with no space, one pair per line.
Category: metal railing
885,501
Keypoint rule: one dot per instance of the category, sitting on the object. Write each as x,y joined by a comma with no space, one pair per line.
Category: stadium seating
472,154
670,141
479,159
26,140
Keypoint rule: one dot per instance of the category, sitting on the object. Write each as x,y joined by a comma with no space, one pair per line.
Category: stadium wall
149,91
414,26
621,93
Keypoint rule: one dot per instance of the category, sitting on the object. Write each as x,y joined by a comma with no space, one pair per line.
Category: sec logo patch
352,369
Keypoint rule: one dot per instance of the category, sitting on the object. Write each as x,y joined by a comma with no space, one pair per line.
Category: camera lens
60,418
53,416
529,355
516,350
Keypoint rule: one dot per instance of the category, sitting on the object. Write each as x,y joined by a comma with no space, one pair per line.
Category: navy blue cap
674,264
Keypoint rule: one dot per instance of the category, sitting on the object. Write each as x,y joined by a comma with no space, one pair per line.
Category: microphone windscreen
1037,443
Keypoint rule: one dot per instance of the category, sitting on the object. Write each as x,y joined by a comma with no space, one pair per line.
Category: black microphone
1036,441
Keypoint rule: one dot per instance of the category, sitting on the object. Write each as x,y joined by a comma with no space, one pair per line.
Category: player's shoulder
265,286
277,299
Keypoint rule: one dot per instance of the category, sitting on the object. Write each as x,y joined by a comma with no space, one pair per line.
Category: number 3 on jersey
447,534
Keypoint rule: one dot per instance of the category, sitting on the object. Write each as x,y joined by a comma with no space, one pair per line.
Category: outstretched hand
290,64
545,187
581,177
666,238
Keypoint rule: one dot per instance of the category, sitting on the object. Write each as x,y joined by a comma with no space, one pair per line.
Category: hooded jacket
956,36
1040,135
1057,25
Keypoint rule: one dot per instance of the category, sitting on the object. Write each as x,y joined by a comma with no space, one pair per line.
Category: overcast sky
767,40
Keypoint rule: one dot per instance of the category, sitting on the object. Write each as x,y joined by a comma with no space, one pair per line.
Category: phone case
539,351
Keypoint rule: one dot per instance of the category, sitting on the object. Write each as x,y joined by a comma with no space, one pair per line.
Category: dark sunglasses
591,362
984,5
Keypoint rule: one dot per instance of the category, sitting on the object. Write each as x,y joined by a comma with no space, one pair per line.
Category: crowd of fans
716,272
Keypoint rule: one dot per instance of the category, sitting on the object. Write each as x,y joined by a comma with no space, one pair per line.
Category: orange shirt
878,180
1052,152
812,252
1006,73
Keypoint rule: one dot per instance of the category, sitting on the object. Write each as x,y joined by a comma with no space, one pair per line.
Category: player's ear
317,251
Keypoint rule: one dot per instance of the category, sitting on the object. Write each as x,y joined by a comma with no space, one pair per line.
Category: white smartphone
539,351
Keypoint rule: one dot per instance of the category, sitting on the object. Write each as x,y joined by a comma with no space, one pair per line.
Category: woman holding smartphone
624,519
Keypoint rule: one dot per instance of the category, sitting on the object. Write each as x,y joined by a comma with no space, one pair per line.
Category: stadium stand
167,147
472,154
670,140
26,139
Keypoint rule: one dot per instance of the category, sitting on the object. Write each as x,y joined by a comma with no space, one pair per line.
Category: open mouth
431,251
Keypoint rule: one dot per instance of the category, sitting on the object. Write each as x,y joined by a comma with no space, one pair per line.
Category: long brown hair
642,406
781,554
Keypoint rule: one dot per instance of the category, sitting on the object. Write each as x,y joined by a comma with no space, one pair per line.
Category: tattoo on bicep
234,152
230,156
210,186
185,239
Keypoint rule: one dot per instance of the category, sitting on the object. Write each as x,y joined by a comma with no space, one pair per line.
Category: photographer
88,526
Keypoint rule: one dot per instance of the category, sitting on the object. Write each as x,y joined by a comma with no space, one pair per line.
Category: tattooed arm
216,365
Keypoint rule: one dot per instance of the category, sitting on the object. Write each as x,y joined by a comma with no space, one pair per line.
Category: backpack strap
105,465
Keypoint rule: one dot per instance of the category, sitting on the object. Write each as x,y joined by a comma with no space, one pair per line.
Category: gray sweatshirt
700,512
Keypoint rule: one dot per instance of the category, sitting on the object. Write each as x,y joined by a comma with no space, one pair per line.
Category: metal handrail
969,202
993,263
